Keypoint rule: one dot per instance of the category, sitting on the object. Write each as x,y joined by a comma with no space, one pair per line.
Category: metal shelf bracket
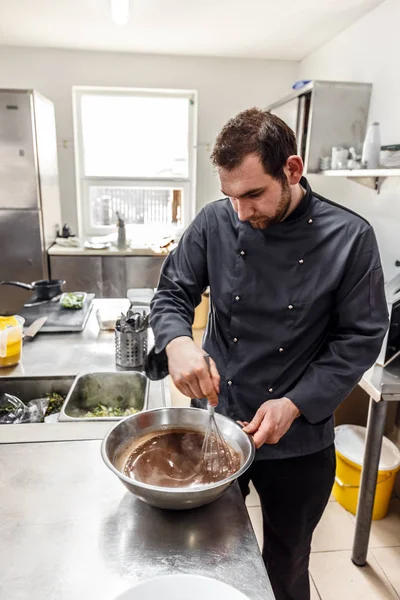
372,182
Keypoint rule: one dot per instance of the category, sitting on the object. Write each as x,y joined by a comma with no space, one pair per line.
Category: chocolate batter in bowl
156,455
173,458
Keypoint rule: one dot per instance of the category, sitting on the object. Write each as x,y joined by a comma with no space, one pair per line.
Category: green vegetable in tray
105,411
55,403
73,300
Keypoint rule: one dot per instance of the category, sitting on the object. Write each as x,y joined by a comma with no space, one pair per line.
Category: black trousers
294,493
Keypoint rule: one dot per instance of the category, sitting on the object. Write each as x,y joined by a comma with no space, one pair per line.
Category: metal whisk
216,456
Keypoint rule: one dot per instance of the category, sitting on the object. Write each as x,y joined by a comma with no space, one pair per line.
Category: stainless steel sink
122,389
27,389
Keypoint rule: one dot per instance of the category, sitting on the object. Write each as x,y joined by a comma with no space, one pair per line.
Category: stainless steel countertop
70,353
70,531
62,432
382,383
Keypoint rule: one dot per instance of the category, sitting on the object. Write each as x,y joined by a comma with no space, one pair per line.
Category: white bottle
371,148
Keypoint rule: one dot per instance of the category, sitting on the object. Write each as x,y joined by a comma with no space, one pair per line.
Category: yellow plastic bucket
350,445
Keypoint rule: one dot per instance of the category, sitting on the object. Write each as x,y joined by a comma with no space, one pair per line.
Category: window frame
83,182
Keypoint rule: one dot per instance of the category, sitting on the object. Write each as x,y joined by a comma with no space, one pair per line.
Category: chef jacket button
290,307
237,298
242,252
229,382
309,221
271,390
301,261
280,349
235,340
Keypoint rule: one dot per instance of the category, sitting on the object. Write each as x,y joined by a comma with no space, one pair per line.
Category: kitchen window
135,155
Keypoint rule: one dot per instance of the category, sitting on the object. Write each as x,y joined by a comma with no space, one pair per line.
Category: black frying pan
44,289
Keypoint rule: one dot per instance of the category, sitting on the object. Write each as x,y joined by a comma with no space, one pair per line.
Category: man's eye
257,195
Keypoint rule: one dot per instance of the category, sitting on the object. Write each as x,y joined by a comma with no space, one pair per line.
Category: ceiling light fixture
120,11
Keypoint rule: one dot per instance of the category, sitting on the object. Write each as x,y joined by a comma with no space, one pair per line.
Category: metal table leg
373,445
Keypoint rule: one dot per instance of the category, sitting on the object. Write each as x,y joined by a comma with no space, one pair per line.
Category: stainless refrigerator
29,192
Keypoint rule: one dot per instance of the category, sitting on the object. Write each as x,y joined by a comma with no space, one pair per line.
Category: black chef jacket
297,309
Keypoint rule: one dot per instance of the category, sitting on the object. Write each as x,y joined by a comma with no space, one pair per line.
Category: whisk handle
210,407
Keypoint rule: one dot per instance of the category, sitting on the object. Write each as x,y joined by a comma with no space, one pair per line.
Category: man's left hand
272,421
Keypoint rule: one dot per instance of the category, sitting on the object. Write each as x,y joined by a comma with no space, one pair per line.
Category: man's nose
244,211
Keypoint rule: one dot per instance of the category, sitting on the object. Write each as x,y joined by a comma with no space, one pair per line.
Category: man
298,314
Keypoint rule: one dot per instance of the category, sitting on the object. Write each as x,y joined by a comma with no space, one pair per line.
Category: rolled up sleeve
354,338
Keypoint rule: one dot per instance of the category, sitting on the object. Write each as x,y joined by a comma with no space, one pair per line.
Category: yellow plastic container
350,444
11,329
201,313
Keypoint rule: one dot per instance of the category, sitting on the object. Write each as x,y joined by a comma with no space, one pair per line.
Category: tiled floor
333,575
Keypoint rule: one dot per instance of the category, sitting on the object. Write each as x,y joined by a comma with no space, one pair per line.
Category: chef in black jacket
298,314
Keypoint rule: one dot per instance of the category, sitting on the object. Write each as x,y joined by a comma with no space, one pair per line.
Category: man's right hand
190,372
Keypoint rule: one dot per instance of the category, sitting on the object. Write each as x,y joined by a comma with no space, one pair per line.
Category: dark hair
255,131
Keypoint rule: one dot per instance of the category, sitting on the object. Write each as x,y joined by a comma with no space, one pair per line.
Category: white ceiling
276,29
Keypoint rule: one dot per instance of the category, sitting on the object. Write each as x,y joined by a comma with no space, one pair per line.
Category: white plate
97,245
182,587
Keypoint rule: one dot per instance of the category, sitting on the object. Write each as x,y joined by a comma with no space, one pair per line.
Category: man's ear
294,169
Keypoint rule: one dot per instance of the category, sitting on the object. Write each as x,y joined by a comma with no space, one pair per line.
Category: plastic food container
107,318
11,332
73,300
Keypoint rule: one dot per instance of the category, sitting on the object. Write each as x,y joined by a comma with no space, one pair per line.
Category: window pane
137,206
135,136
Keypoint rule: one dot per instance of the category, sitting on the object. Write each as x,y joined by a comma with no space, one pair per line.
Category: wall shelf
372,178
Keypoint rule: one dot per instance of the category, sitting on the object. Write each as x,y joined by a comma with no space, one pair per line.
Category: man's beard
281,211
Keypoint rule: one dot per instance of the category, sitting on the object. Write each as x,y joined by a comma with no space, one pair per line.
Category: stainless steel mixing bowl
150,421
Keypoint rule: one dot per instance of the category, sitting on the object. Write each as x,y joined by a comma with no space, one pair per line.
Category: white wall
368,51
225,87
